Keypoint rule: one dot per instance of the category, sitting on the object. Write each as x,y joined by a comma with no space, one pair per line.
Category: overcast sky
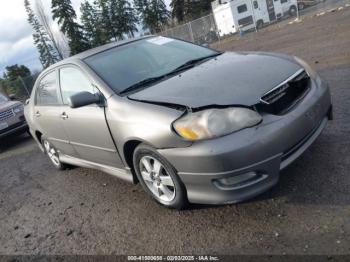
16,42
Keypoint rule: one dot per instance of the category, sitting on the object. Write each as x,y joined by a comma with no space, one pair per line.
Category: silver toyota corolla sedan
189,123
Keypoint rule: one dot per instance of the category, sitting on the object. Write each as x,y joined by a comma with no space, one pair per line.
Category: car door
47,113
271,10
86,126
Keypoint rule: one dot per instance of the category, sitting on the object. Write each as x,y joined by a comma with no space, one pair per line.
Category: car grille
285,96
6,114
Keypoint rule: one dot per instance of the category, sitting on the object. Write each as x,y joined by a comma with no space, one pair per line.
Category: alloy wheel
156,178
52,153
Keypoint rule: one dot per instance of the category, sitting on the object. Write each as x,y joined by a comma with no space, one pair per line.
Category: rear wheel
292,10
158,178
53,155
260,24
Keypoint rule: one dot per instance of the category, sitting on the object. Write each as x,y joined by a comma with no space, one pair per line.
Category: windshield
3,98
125,66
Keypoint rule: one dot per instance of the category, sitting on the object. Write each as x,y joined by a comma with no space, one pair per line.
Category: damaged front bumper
241,165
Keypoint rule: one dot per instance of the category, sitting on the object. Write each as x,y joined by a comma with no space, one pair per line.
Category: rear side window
242,8
47,92
73,81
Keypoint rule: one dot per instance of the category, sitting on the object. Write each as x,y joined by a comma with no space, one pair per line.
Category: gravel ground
82,211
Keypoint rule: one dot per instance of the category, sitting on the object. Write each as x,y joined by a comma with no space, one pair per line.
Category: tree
92,24
47,54
153,13
123,18
63,12
188,10
113,19
198,9
15,71
46,23
178,9
105,19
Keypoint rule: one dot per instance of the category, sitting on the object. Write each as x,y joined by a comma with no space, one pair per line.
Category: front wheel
52,153
158,178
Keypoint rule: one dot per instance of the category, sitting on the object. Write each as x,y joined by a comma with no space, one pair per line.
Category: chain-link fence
199,31
19,88
243,16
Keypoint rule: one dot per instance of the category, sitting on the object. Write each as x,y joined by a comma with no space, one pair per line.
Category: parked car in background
188,122
12,119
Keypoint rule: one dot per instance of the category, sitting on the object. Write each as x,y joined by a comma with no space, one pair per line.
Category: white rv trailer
235,15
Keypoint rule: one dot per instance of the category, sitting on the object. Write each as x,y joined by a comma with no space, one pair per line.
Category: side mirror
83,99
12,96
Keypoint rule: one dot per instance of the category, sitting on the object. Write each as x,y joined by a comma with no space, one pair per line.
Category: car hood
9,104
229,79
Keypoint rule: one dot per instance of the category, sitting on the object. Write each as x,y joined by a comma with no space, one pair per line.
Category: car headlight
212,123
312,73
18,109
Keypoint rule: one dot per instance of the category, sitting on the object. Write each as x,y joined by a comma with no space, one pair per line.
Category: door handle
64,116
37,114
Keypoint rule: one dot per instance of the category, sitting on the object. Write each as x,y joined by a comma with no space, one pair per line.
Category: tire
260,24
158,178
292,10
52,154
301,6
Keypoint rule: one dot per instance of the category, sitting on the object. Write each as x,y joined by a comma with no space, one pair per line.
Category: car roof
96,50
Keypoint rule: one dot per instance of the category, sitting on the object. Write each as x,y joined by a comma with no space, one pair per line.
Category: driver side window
73,81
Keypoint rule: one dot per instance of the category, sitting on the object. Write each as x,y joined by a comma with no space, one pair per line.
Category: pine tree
47,54
153,13
105,19
123,18
13,72
65,15
45,21
91,24
198,9
188,10
178,9
116,19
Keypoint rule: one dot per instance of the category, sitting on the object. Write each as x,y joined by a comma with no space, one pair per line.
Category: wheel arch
293,9
38,137
128,154
260,23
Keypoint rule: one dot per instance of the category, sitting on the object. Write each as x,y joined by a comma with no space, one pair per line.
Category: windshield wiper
151,80
142,83
193,62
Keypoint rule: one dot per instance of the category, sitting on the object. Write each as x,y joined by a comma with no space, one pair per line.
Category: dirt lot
322,41
83,211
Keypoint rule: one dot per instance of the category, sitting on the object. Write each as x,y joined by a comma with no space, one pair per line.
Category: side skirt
124,174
